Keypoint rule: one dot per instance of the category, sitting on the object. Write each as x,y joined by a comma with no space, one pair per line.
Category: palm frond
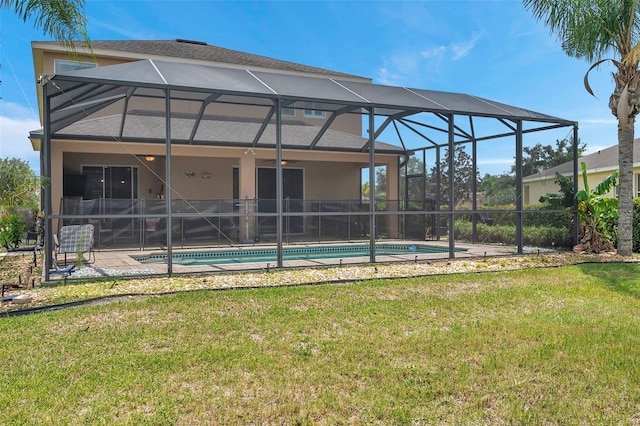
587,86
63,20
589,29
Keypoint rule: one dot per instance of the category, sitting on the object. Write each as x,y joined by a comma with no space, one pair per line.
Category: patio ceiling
76,96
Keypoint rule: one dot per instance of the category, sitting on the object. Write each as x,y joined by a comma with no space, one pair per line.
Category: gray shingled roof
215,131
202,51
603,160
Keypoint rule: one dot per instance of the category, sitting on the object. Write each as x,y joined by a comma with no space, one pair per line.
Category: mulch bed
20,275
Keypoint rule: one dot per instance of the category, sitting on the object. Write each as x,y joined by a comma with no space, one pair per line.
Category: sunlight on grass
532,346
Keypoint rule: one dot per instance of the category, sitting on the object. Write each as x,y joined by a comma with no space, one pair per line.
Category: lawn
553,345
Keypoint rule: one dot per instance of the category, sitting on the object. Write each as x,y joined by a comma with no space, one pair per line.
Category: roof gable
201,52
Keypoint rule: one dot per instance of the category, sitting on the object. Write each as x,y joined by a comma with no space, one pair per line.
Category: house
231,148
113,174
599,165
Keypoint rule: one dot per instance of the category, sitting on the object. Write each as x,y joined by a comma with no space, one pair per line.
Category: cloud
496,162
434,52
403,66
399,67
612,120
16,122
460,50
134,32
388,77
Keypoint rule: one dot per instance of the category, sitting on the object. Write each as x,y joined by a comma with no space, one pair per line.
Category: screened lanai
199,119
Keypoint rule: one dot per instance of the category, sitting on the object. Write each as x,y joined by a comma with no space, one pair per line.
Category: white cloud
612,120
135,32
387,76
496,162
434,52
460,50
403,66
16,122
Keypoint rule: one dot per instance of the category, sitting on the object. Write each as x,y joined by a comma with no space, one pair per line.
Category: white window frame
64,65
312,110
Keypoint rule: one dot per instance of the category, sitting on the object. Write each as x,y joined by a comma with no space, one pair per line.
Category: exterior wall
219,185
329,176
341,183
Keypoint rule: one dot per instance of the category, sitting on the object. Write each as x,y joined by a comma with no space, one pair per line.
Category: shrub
12,229
636,225
534,215
539,236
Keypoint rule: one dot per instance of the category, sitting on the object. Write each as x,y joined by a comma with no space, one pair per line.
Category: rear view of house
163,144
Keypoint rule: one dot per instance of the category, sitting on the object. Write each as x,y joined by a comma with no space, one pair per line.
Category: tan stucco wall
327,175
220,185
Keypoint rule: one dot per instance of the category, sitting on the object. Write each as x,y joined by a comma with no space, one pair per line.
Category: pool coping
125,260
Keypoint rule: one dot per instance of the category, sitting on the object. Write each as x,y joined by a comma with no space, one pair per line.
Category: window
119,182
314,110
60,65
288,111
637,185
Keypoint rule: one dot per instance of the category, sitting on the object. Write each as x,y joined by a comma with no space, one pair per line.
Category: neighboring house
599,165
112,176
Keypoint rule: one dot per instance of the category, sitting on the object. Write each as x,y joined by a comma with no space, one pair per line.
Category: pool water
257,255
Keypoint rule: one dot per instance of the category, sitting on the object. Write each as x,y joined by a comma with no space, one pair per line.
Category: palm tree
64,20
594,30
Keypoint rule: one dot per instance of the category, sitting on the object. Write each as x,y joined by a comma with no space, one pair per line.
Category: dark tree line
497,189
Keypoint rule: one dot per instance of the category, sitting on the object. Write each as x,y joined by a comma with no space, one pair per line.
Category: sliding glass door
111,182
292,192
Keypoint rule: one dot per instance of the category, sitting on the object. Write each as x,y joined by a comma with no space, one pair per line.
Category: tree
592,30
18,186
463,176
412,179
18,200
538,157
364,190
64,20
381,183
498,190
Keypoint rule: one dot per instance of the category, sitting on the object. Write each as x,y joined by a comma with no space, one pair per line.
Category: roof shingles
200,51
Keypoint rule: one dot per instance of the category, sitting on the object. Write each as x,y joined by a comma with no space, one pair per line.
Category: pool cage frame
70,97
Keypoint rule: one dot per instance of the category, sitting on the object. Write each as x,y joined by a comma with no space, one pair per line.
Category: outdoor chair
75,239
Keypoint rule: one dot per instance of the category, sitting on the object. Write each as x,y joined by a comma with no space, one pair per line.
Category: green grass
558,345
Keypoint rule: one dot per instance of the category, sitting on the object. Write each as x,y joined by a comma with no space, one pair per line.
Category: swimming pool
258,255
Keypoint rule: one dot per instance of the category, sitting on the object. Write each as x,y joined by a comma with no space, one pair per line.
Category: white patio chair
75,239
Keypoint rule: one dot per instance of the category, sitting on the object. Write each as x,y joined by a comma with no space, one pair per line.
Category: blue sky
492,49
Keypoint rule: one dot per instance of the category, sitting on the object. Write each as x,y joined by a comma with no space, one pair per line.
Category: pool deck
125,260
